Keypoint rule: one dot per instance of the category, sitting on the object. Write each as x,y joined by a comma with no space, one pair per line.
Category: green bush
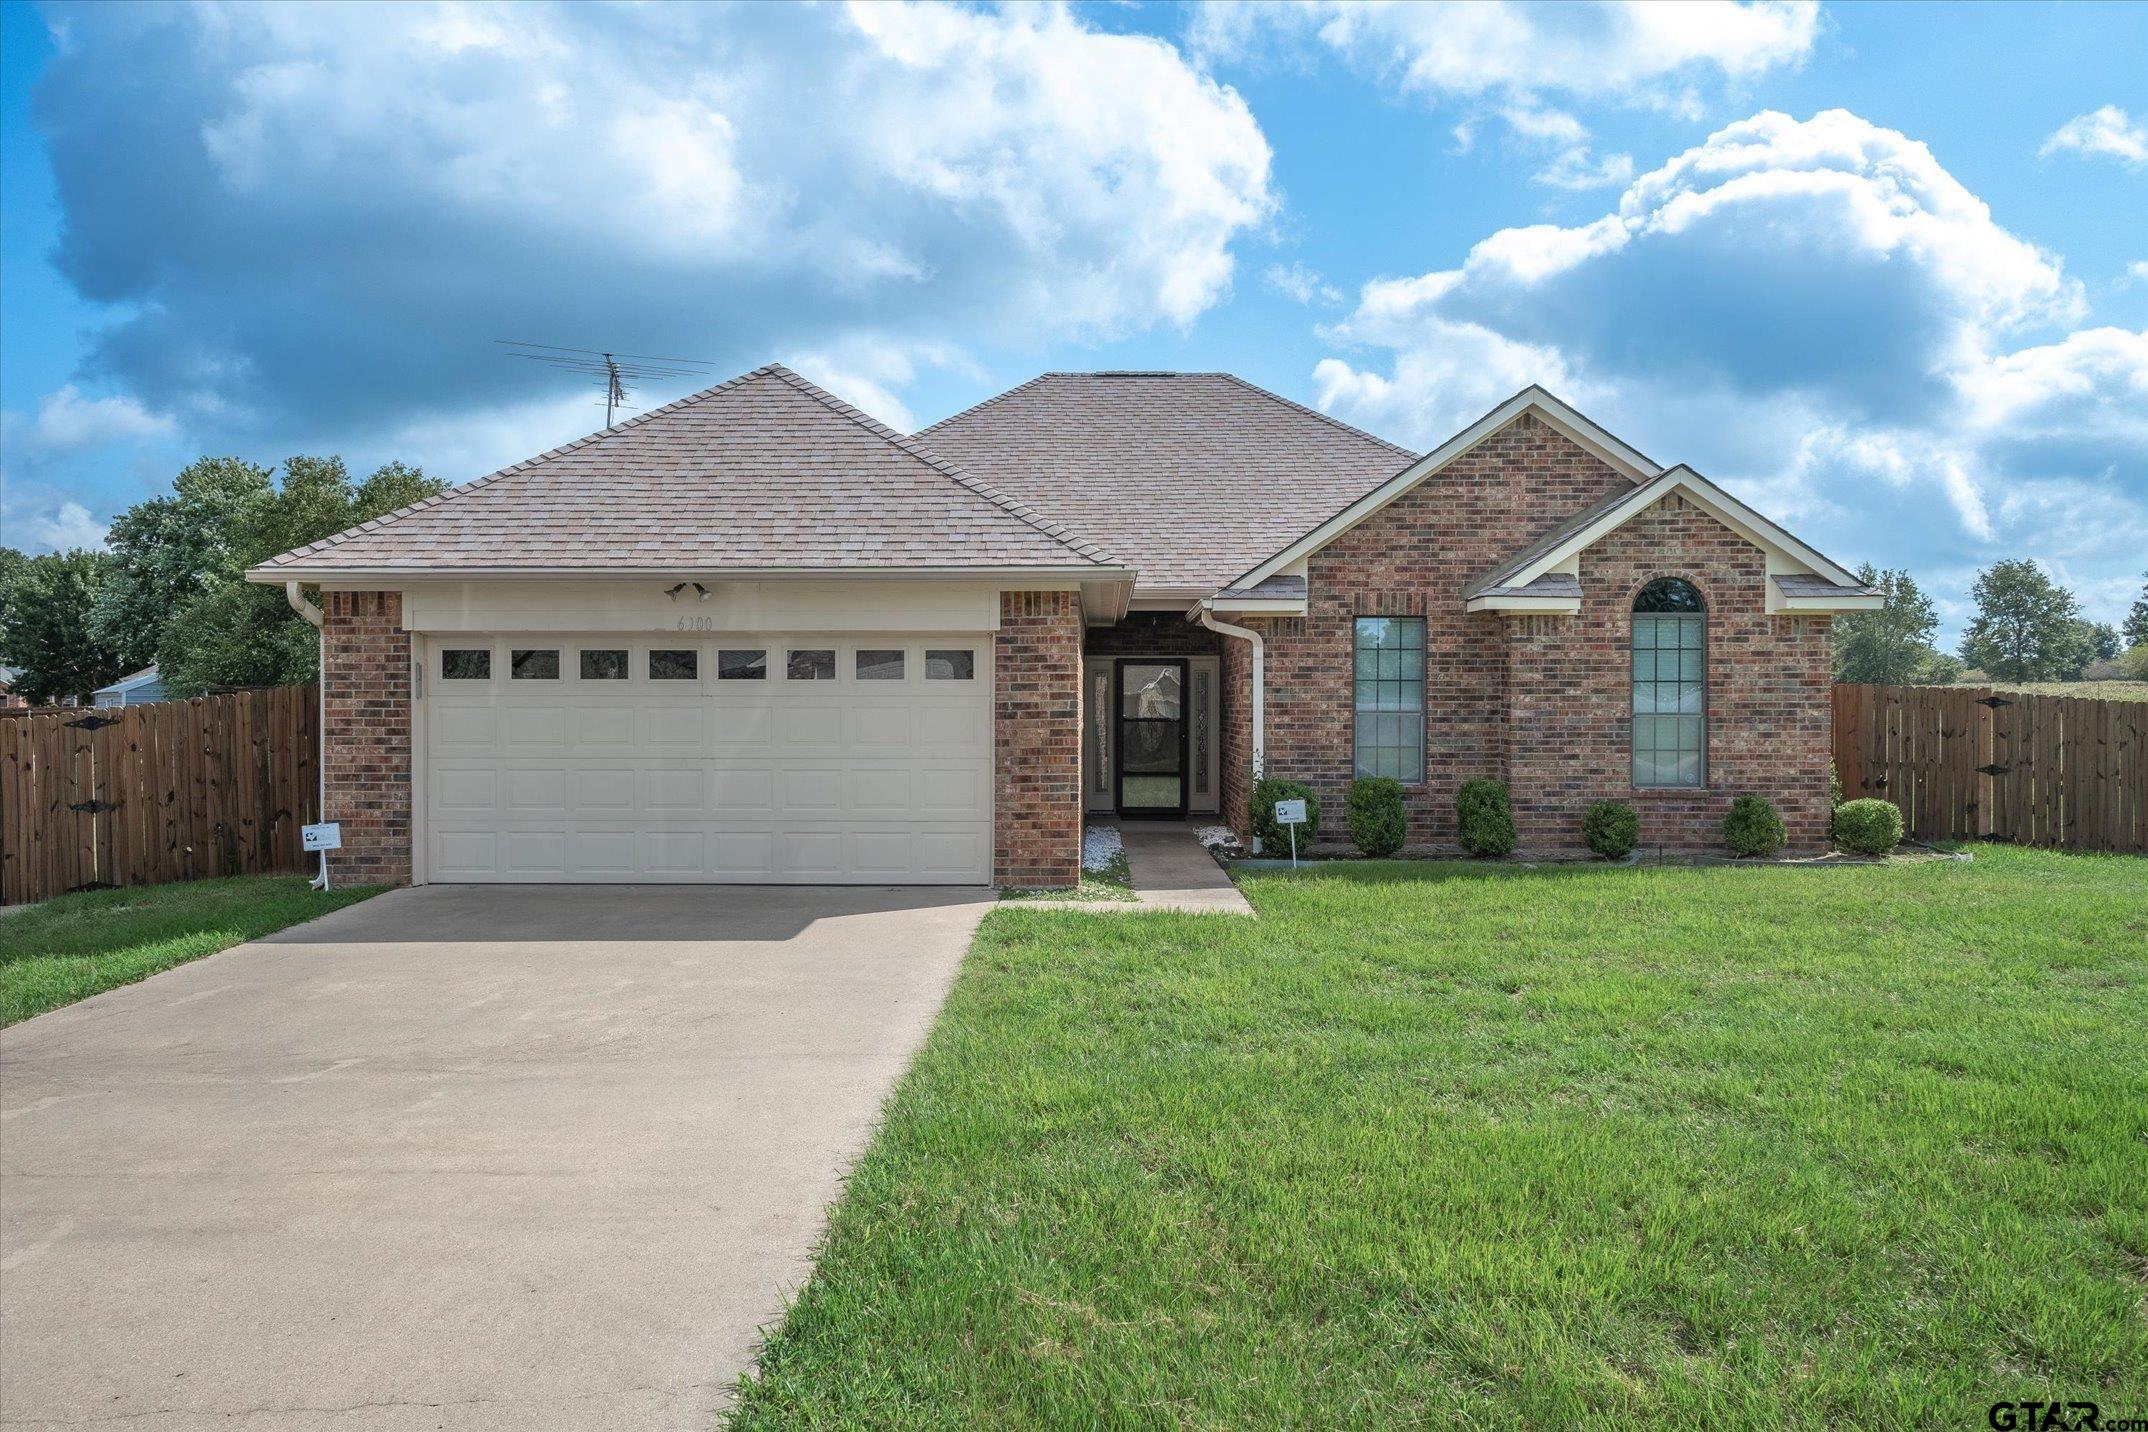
1484,822
1374,814
1273,837
1753,828
1868,827
1612,829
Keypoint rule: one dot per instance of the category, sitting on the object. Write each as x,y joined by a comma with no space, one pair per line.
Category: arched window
1670,685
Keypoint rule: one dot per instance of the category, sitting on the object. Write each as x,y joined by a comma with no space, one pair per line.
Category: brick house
756,636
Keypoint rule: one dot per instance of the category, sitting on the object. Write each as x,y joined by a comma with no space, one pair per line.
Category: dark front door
1151,700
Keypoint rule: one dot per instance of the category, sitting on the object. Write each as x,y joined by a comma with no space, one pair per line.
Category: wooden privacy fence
141,795
1967,763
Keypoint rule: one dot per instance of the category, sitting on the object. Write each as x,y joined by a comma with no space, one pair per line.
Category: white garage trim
567,778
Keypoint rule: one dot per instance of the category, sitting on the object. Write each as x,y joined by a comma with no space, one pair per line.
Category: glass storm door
1152,738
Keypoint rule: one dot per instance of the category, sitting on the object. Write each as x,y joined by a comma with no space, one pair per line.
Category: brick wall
1541,702
1569,712
1037,761
1415,558
365,692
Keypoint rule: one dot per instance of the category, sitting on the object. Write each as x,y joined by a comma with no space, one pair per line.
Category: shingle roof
1278,588
764,471
1551,584
1802,584
1190,478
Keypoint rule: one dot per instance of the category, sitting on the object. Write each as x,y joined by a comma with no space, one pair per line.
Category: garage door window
741,665
534,665
674,665
812,665
955,665
465,666
604,665
879,665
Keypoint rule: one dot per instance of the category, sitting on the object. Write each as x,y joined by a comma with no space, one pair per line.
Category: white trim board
1713,500
1557,415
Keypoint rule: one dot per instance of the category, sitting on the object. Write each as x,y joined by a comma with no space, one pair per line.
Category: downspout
1260,688
312,614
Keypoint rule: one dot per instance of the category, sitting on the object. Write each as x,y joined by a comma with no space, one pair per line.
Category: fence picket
210,786
2064,771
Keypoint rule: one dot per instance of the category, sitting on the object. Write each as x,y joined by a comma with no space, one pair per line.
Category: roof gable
1554,413
1591,525
765,472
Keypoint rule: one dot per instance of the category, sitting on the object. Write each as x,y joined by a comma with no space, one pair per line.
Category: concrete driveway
454,1158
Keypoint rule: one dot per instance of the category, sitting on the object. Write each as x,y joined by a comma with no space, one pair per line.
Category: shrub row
1484,821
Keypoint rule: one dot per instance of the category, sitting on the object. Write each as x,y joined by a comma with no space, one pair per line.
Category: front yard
1427,1144
75,946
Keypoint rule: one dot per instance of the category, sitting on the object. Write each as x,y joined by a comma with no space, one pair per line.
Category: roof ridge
1059,533
375,523
986,403
1316,413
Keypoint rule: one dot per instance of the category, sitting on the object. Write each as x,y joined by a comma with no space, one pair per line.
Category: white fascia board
1709,498
1552,606
1619,455
1272,606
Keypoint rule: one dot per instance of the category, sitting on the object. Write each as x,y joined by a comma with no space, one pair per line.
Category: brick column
1036,698
365,688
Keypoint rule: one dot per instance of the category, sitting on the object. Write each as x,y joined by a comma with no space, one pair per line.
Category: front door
1151,702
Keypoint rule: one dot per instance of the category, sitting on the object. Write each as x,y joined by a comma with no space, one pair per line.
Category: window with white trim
1389,654
1670,685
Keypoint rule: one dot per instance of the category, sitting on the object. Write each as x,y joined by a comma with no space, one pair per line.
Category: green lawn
1427,1144
79,945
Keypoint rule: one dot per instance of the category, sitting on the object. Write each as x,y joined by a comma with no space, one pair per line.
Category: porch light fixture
673,591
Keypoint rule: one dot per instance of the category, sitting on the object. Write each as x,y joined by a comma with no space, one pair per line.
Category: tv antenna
621,373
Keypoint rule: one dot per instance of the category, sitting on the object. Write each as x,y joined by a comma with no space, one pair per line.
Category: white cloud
36,519
1815,313
1638,50
2108,132
331,211
1301,284
68,419
1499,59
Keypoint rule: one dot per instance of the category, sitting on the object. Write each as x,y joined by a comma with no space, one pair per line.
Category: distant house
138,689
8,694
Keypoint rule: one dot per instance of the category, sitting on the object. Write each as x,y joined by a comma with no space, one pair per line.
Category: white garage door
784,759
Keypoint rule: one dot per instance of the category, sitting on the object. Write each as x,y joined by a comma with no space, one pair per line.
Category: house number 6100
696,624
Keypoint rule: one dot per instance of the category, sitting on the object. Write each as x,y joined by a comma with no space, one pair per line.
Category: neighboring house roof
1562,418
763,473
1190,478
147,676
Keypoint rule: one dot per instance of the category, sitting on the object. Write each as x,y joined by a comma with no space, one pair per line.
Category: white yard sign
328,835
1292,815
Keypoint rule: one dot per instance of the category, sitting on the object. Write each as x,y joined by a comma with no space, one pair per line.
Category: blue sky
1881,269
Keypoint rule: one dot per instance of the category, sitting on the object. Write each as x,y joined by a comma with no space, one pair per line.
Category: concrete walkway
1171,871
455,1158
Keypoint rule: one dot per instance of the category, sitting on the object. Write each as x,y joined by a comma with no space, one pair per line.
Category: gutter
1260,687
312,614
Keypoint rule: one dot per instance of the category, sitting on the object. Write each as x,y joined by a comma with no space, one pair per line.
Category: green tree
1893,645
44,626
2103,642
2135,630
227,631
2027,627
168,548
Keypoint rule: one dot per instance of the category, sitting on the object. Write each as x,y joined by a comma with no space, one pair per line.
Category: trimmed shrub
1868,827
1374,815
1753,828
1273,837
1483,820
1612,829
